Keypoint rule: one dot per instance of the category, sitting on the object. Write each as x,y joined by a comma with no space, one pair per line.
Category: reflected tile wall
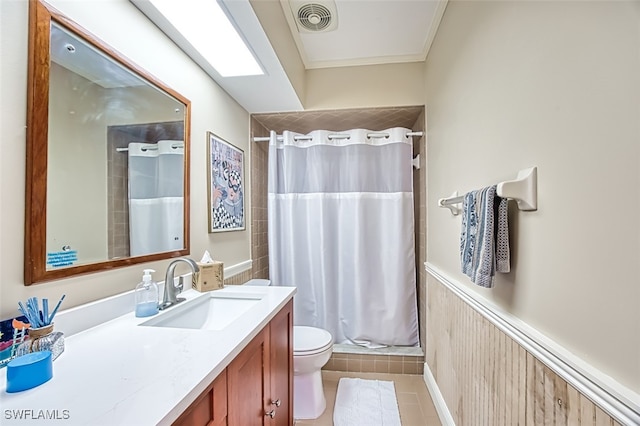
117,193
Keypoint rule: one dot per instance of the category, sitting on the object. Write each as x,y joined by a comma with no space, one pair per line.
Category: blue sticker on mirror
62,258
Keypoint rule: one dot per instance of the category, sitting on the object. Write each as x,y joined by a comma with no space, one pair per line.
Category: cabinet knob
277,402
271,413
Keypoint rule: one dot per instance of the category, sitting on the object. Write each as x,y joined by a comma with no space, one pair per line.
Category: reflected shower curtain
341,230
156,197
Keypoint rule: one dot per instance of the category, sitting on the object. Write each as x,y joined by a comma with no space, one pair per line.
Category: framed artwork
225,186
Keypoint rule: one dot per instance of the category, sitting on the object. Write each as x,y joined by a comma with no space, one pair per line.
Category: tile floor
414,401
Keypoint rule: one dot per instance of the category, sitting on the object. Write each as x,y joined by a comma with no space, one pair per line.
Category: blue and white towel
484,240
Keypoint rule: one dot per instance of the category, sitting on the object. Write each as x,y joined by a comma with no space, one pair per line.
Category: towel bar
523,190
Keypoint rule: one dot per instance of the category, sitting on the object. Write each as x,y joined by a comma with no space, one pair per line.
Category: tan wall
212,110
338,88
557,85
366,86
274,24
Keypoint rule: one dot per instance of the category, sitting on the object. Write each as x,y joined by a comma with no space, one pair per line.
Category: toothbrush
33,316
53,314
36,311
23,310
26,311
45,310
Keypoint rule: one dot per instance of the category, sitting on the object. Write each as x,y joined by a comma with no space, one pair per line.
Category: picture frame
225,186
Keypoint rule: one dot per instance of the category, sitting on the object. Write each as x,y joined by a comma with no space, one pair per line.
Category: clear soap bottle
147,296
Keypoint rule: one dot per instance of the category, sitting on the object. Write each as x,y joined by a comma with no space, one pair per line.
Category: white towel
366,402
484,239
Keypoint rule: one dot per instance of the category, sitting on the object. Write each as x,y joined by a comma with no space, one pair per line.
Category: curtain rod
152,147
334,136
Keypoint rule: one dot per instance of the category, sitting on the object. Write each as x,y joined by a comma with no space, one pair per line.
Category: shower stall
374,120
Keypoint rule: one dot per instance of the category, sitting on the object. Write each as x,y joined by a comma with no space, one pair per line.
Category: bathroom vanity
156,370
257,386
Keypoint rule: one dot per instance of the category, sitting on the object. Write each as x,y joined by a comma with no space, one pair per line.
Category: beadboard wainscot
485,366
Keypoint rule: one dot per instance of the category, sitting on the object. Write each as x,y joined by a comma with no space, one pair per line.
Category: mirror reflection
116,145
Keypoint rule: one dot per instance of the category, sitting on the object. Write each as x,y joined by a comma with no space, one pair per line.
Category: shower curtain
341,230
156,197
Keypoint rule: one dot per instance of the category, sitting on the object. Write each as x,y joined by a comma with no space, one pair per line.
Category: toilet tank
258,282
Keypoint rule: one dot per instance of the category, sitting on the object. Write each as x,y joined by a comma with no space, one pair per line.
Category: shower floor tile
414,401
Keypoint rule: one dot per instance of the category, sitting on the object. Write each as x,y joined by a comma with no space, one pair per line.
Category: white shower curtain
341,229
156,197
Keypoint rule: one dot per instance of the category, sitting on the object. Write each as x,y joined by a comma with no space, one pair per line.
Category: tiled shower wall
420,200
339,120
363,363
259,241
239,279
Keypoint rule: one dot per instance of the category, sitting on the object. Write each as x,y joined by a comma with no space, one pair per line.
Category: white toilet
312,348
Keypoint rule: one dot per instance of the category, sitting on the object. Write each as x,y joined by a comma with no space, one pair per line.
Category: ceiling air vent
317,16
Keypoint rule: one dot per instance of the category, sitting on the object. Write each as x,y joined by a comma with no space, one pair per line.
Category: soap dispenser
146,295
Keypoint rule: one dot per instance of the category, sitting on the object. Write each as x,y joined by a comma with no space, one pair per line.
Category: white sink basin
210,312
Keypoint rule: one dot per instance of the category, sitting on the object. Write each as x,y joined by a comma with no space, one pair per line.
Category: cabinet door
210,408
248,384
281,345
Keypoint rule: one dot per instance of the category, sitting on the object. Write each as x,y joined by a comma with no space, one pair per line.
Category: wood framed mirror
107,160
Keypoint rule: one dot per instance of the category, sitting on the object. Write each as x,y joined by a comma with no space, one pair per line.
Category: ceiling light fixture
205,25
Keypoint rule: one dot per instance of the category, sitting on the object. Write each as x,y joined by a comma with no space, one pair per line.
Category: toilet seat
310,340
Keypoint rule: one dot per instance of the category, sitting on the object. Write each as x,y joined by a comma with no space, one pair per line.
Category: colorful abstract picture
225,186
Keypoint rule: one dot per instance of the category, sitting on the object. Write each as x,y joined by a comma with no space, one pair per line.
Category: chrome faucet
171,291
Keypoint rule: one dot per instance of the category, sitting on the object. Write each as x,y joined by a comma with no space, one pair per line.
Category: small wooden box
210,277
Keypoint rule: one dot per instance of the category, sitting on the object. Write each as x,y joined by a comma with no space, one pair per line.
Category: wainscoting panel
487,378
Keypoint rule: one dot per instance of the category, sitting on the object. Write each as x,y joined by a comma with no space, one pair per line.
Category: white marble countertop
118,373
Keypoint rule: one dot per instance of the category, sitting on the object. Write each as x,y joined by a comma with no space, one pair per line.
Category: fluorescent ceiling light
207,28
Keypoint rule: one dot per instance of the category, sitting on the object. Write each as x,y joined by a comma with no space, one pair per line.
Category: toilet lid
308,340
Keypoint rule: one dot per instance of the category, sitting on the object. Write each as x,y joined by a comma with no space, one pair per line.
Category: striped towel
484,239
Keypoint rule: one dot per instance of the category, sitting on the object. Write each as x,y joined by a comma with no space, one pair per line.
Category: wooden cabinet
281,360
257,386
210,408
248,386
260,387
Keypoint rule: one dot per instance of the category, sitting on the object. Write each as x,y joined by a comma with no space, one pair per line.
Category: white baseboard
618,401
438,401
